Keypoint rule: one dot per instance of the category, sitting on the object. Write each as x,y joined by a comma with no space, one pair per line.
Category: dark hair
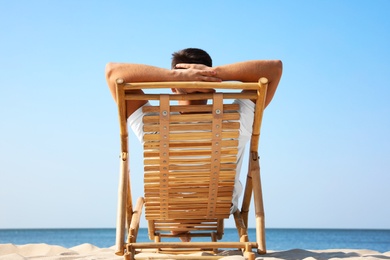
191,55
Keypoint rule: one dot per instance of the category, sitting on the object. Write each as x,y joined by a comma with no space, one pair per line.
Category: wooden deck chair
189,169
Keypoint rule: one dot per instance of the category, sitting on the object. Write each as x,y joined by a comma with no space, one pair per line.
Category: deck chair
189,169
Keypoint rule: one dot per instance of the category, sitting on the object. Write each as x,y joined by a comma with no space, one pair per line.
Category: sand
88,251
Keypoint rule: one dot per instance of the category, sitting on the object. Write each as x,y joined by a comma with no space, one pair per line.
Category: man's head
192,56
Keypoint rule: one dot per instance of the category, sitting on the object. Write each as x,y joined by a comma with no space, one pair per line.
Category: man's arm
251,71
248,71
145,73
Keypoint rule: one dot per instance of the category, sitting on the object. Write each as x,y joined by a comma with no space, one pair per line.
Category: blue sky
325,143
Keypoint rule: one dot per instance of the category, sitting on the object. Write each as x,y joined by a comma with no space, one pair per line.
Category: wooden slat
192,84
198,171
192,127
153,181
187,179
189,213
182,225
224,196
191,208
183,169
195,212
183,154
175,204
224,159
194,245
193,183
189,202
221,189
180,215
194,207
189,189
149,188
193,153
191,108
185,225
226,183
182,118
179,204
186,228
225,173
193,190
186,168
132,96
185,150
225,143
193,221
190,136
200,195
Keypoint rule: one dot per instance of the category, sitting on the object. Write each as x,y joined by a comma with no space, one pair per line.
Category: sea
277,239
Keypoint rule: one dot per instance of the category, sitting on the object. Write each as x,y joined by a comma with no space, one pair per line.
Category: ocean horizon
277,239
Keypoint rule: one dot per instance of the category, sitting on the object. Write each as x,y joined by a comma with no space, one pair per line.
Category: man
196,65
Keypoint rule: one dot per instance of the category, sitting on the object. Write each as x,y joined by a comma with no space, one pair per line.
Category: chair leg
124,209
130,255
220,228
241,228
135,221
258,201
214,239
248,254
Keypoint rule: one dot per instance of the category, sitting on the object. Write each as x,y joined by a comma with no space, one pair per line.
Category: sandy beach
88,251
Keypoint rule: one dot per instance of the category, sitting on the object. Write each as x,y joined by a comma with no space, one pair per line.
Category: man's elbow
277,70
109,71
112,73
278,67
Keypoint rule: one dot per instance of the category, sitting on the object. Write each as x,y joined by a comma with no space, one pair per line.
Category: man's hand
193,66
196,72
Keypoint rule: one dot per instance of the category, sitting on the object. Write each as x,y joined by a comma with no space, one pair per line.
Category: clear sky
325,143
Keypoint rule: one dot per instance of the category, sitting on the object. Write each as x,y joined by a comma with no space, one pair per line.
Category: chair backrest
190,159
190,151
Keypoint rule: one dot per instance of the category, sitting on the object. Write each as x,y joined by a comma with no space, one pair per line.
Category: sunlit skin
248,71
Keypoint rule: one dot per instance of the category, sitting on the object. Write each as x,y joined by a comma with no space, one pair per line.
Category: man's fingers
208,72
197,72
189,66
203,68
211,79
